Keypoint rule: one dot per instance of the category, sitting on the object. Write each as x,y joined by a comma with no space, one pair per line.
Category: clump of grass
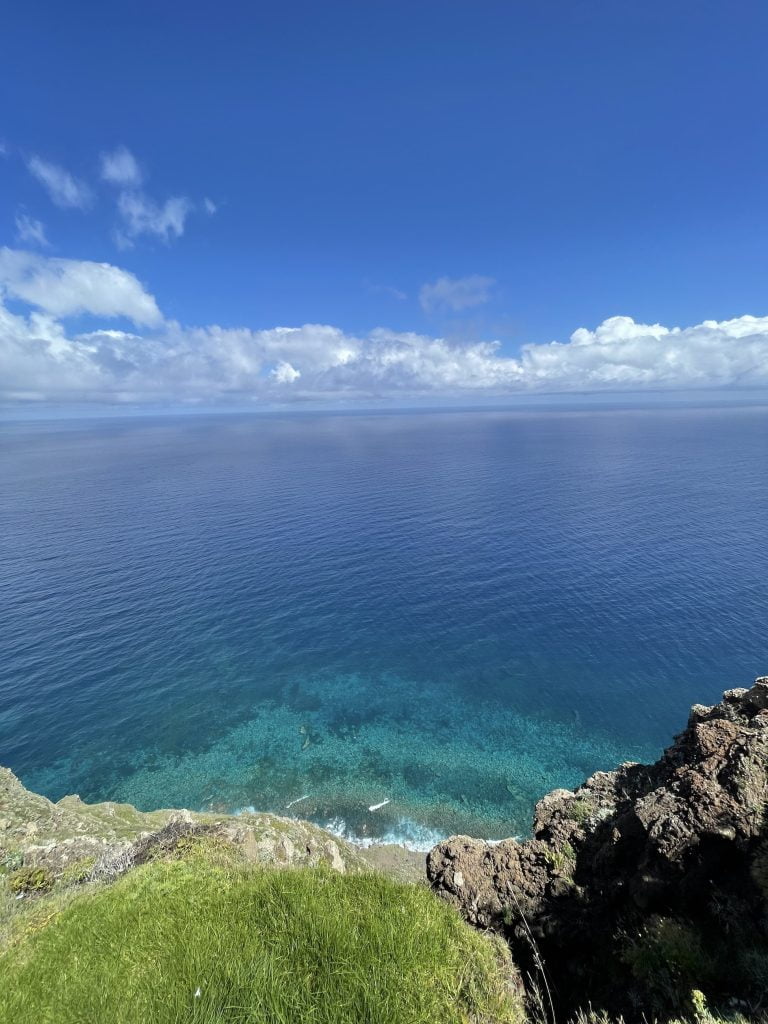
581,810
563,860
205,848
669,960
29,881
205,943
76,873
700,1014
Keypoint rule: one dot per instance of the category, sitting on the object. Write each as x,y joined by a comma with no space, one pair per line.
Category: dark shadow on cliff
644,885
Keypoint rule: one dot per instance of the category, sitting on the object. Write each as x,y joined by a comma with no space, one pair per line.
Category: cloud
120,167
139,214
165,361
284,373
31,231
623,355
64,288
209,206
455,293
214,364
65,191
142,216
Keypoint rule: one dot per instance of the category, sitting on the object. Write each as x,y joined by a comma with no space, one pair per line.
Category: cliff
643,894
55,836
644,885
111,916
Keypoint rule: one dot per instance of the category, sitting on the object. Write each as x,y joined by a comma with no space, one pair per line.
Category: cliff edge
36,832
644,885
643,894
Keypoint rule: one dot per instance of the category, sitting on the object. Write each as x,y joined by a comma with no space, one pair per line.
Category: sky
245,204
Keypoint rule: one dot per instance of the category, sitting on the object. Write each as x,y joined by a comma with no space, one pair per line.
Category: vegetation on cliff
643,896
203,939
112,916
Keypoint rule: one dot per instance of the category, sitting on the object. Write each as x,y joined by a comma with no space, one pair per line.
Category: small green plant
668,960
563,860
30,880
595,1017
76,873
699,1004
207,848
581,810
9,863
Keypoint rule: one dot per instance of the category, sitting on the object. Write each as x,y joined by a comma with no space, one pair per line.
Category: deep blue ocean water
454,612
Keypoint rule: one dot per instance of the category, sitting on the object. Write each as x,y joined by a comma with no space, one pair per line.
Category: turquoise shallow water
450,612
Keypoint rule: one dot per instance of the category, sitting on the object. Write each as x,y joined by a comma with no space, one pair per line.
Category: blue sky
461,173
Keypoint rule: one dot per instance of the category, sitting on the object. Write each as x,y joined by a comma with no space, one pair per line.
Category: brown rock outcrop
644,883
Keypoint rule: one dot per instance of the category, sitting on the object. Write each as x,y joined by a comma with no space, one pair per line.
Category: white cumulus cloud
120,167
284,373
621,354
64,190
64,287
456,293
165,361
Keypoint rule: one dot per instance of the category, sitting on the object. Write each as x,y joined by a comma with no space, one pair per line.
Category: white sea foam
375,807
298,800
407,833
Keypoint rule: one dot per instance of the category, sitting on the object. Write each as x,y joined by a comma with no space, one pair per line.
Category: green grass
273,947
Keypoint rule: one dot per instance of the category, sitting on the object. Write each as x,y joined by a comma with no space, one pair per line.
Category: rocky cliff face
34,832
644,884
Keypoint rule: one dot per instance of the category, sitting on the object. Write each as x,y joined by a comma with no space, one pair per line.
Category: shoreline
411,835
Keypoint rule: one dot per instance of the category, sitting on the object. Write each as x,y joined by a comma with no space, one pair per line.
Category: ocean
437,615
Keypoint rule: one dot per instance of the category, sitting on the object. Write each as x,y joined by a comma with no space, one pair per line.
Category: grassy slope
277,946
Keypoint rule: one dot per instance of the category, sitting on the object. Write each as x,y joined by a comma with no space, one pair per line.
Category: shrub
669,961
30,880
77,873
206,848
581,810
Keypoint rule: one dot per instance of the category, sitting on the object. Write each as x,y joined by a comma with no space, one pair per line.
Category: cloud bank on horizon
161,361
